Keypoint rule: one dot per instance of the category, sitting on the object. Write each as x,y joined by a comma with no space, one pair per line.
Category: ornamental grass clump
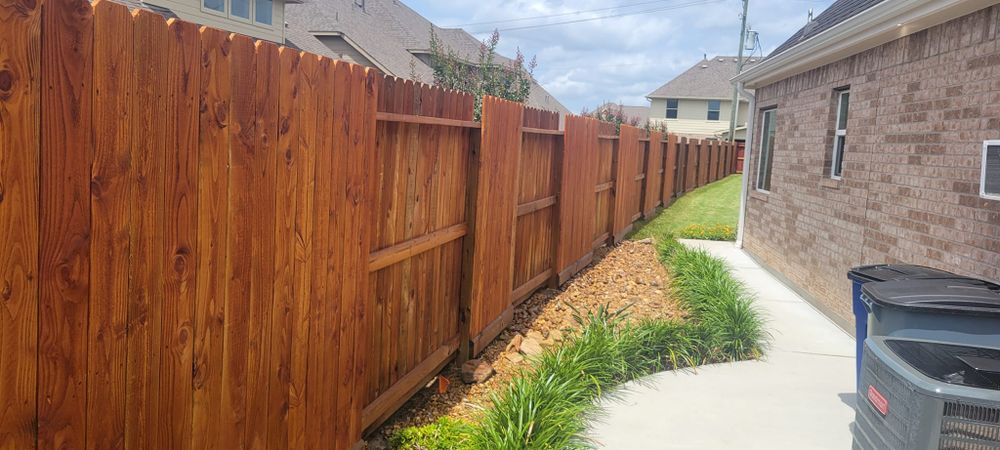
549,404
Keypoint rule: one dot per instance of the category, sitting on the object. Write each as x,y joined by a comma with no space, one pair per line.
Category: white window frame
717,111
227,13
840,133
982,175
677,109
760,152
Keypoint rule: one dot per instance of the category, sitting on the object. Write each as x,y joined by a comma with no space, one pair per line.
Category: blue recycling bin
876,273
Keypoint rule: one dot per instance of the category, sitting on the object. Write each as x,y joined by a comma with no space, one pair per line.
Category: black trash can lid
888,272
954,296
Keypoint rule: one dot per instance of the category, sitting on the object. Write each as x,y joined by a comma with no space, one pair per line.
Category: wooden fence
216,242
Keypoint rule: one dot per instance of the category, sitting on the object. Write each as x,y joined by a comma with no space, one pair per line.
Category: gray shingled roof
838,12
707,79
389,32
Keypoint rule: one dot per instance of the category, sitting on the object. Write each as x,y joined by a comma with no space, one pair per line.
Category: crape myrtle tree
615,114
510,80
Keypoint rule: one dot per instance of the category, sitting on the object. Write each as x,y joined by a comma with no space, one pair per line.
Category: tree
486,76
615,114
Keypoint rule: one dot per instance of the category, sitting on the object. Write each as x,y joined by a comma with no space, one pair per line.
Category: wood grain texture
64,222
213,217
580,168
112,186
146,222
498,174
20,116
180,228
627,190
653,183
669,169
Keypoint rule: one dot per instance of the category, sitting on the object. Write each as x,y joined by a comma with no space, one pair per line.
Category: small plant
485,76
443,434
717,232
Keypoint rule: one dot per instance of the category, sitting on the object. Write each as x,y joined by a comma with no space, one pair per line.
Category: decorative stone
531,347
515,343
476,371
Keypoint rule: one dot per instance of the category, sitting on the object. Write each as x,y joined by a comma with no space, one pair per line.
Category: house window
672,104
840,135
216,5
989,185
764,161
263,11
260,12
714,107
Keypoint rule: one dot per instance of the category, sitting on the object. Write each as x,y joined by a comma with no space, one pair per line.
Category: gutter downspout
748,144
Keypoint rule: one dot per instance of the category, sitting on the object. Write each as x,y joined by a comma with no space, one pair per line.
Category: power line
609,16
520,19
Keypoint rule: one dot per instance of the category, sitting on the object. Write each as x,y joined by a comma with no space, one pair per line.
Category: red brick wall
921,107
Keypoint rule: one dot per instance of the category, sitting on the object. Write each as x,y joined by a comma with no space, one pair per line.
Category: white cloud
624,58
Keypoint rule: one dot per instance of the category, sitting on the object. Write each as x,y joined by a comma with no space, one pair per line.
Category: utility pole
739,68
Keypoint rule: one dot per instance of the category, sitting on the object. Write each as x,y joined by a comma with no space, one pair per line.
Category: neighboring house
261,19
876,138
699,102
385,34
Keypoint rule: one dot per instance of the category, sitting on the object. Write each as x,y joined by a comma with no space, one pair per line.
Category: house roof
390,33
851,27
709,79
837,13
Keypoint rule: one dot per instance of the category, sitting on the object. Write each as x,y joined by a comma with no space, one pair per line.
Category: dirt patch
628,274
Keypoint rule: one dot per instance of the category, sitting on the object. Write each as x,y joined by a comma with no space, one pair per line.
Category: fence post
488,266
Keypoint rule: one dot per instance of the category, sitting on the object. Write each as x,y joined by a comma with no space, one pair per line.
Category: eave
882,23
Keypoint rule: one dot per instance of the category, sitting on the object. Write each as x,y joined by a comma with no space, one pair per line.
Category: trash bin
881,272
961,311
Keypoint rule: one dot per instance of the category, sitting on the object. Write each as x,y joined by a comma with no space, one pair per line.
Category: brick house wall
921,107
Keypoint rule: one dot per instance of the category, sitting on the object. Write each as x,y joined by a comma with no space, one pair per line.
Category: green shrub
718,232
444,434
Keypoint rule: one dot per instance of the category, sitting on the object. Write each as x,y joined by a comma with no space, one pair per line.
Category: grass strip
549,405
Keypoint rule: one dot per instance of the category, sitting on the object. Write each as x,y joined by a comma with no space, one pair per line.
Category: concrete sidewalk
800,397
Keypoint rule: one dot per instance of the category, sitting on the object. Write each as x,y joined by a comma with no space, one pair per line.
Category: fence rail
211,241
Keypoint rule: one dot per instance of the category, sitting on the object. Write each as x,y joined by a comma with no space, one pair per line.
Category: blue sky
618,59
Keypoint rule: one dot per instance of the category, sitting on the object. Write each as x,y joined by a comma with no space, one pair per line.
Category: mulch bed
627,275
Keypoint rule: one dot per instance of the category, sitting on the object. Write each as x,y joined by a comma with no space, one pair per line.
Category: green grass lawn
714,204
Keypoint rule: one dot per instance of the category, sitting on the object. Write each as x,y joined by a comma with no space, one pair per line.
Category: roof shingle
837,13
709,79
390,32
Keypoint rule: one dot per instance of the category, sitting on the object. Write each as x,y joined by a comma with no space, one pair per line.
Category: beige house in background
698,103
261,19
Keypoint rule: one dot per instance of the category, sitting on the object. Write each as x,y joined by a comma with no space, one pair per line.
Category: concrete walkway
800,397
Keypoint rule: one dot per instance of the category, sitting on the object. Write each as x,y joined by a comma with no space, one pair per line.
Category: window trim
982,176
839,133
677,109
227,13
717,111
763,131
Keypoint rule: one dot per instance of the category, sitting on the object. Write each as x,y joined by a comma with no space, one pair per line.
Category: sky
618,59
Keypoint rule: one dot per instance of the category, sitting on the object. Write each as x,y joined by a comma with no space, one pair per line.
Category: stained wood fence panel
603,216
537,210
216,242
580,170
415,257
670,162
653,184
627,185
20,164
